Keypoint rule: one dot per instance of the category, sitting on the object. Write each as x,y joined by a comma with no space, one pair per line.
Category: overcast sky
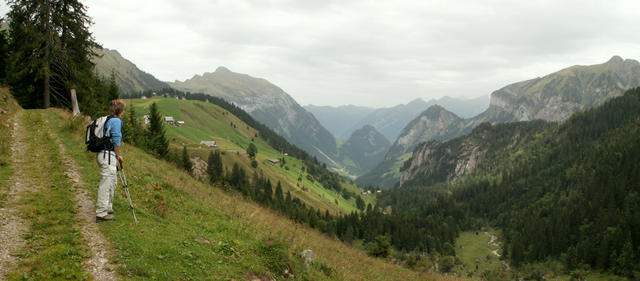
373,53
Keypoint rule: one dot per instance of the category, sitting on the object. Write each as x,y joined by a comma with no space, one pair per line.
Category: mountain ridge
129,77
553,97
270,105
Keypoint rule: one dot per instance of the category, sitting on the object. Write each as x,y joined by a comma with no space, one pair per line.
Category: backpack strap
104,128
104,132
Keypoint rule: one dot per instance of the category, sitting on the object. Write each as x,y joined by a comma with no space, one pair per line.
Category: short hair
116,107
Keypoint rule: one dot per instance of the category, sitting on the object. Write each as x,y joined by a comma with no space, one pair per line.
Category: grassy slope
192,231
205,121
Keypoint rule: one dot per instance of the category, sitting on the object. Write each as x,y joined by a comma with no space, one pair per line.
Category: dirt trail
97,264
12,226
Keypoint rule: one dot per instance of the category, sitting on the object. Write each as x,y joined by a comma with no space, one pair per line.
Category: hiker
108,161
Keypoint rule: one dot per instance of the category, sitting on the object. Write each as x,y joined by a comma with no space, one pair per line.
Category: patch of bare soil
12,226
97,264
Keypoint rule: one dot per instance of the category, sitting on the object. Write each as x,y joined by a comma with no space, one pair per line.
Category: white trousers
108,182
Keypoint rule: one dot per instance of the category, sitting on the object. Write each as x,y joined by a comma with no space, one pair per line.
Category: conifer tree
132,130
51,46
186,162
114,92
215,169
252,150
268,192
156,139
279,194
359,203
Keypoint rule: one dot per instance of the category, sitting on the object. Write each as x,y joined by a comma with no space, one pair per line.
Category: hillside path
97,264
12,226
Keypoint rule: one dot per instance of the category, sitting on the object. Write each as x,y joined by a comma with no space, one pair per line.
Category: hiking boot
105,218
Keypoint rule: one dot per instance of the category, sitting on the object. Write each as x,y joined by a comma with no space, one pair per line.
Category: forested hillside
569,192
576,196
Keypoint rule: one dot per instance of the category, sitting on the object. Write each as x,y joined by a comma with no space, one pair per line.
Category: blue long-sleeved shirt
114,125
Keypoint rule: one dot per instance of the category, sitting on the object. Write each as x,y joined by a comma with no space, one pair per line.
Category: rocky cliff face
439,163
270,105
446,162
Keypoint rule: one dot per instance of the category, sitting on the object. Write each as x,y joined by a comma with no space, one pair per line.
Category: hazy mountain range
553,97
342,121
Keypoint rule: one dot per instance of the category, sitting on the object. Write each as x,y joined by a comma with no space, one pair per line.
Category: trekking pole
123,179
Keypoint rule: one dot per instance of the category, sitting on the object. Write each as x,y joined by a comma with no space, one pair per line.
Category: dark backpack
97,138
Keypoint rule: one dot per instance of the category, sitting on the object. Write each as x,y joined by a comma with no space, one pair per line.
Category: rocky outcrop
435,123
439,163
446,162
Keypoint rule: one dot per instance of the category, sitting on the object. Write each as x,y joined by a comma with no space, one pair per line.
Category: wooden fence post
74,103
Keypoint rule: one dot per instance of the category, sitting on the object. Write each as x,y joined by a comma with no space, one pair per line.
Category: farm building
211,144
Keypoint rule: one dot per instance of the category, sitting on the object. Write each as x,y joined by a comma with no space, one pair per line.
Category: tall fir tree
215,169
51,53
132,130
156,139
252,150
279,197
360,203
186,162
114,92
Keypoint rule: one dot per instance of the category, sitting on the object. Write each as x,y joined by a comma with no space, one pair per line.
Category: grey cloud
376,53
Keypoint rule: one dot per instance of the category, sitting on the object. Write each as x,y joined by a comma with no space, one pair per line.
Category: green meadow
206,121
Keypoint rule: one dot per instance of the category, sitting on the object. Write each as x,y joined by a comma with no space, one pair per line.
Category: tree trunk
47,67
46,91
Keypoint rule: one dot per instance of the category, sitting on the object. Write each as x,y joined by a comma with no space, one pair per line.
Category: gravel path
12,226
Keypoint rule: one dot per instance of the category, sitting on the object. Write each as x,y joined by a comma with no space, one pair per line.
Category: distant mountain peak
369,127
416,101
435,108
438,112
222,69
615,60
